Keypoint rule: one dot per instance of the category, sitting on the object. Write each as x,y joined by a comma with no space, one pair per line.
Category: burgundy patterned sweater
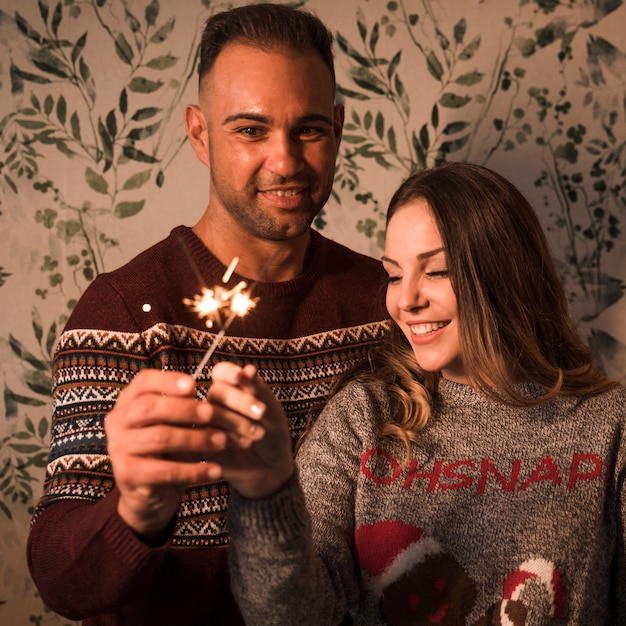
302,334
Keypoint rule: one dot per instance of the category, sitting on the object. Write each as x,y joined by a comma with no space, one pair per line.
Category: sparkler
220,306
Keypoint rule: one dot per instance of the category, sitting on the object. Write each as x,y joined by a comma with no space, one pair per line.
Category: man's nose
285,155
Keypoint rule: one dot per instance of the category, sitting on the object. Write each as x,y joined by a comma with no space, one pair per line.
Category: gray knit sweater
502,516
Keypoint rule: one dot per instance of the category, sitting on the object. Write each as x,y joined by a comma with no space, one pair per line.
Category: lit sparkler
220,306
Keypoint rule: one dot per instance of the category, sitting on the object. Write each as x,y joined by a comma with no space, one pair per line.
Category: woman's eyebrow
388,260
421,257
430,253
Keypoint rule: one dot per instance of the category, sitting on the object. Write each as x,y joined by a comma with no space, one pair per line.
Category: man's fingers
166,472
148,408
230,373
166,440
236,400
245,378
152,381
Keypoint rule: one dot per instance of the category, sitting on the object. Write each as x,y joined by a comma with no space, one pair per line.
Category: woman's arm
291,534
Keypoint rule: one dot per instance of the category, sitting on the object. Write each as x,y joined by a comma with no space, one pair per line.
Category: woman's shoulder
361,392
611,400
603,410
359,405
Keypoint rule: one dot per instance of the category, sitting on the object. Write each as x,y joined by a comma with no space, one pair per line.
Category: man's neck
258,259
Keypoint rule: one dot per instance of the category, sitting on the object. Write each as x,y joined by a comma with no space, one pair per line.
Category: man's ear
198,133
339,115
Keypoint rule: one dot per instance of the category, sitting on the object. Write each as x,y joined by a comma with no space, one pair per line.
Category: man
130,529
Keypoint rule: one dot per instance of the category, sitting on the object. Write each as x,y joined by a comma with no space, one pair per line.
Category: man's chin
289,231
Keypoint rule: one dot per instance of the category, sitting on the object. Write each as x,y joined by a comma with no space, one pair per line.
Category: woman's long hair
514,321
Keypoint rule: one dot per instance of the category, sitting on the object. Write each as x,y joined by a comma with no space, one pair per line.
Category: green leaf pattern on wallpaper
97,88
480,112
119,133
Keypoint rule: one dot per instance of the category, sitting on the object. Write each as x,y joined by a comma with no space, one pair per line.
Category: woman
473,475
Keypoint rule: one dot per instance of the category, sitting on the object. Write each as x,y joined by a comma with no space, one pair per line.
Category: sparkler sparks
220,306
216,303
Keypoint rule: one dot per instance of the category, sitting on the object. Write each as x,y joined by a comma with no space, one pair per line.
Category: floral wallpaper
94,165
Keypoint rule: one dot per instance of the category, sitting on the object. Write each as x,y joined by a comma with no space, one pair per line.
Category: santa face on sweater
437,591
418,583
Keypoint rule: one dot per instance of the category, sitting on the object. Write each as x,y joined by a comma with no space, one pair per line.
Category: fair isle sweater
302,334
502,516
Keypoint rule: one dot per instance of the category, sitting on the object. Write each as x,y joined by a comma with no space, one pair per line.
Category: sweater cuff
278,517
123,541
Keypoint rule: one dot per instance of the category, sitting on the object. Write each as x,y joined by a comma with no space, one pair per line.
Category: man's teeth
424,329
284,193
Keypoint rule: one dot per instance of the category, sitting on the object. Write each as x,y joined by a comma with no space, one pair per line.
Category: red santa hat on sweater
388,549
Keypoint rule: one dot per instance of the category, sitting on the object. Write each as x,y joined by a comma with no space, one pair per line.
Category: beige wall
537,95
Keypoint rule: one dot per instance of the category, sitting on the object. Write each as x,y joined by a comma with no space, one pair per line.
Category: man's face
273,135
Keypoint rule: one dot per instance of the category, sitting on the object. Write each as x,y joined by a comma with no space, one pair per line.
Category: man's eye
308,131
250,131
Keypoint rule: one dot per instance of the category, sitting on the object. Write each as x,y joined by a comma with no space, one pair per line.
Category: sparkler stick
209,352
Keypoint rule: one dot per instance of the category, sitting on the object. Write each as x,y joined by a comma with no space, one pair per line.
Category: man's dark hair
267,27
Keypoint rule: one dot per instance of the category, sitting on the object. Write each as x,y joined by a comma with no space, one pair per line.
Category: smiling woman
466,459
513,318
420,297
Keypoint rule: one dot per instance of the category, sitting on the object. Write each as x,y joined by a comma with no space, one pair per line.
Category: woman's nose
412,297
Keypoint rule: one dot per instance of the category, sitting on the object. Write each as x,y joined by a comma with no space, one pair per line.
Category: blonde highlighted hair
513,315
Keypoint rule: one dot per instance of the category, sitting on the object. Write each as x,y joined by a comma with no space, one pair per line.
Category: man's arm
97,532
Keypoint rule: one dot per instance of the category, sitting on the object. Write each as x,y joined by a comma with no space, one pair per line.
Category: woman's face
420,298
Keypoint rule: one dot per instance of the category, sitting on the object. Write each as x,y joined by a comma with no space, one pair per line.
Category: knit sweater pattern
301,335
501,516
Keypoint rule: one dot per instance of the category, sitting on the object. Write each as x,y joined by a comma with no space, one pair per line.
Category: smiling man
130,530
268,130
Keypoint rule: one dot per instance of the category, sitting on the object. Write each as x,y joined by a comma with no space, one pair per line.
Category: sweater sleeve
76,547
77,541
291,555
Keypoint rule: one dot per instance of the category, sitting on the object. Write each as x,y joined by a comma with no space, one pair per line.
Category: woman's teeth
425,329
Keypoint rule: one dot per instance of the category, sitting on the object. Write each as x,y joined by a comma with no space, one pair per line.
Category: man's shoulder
338,248
160,253
150,279
341,255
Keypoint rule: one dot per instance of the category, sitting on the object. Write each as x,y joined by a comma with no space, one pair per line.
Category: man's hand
158,436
